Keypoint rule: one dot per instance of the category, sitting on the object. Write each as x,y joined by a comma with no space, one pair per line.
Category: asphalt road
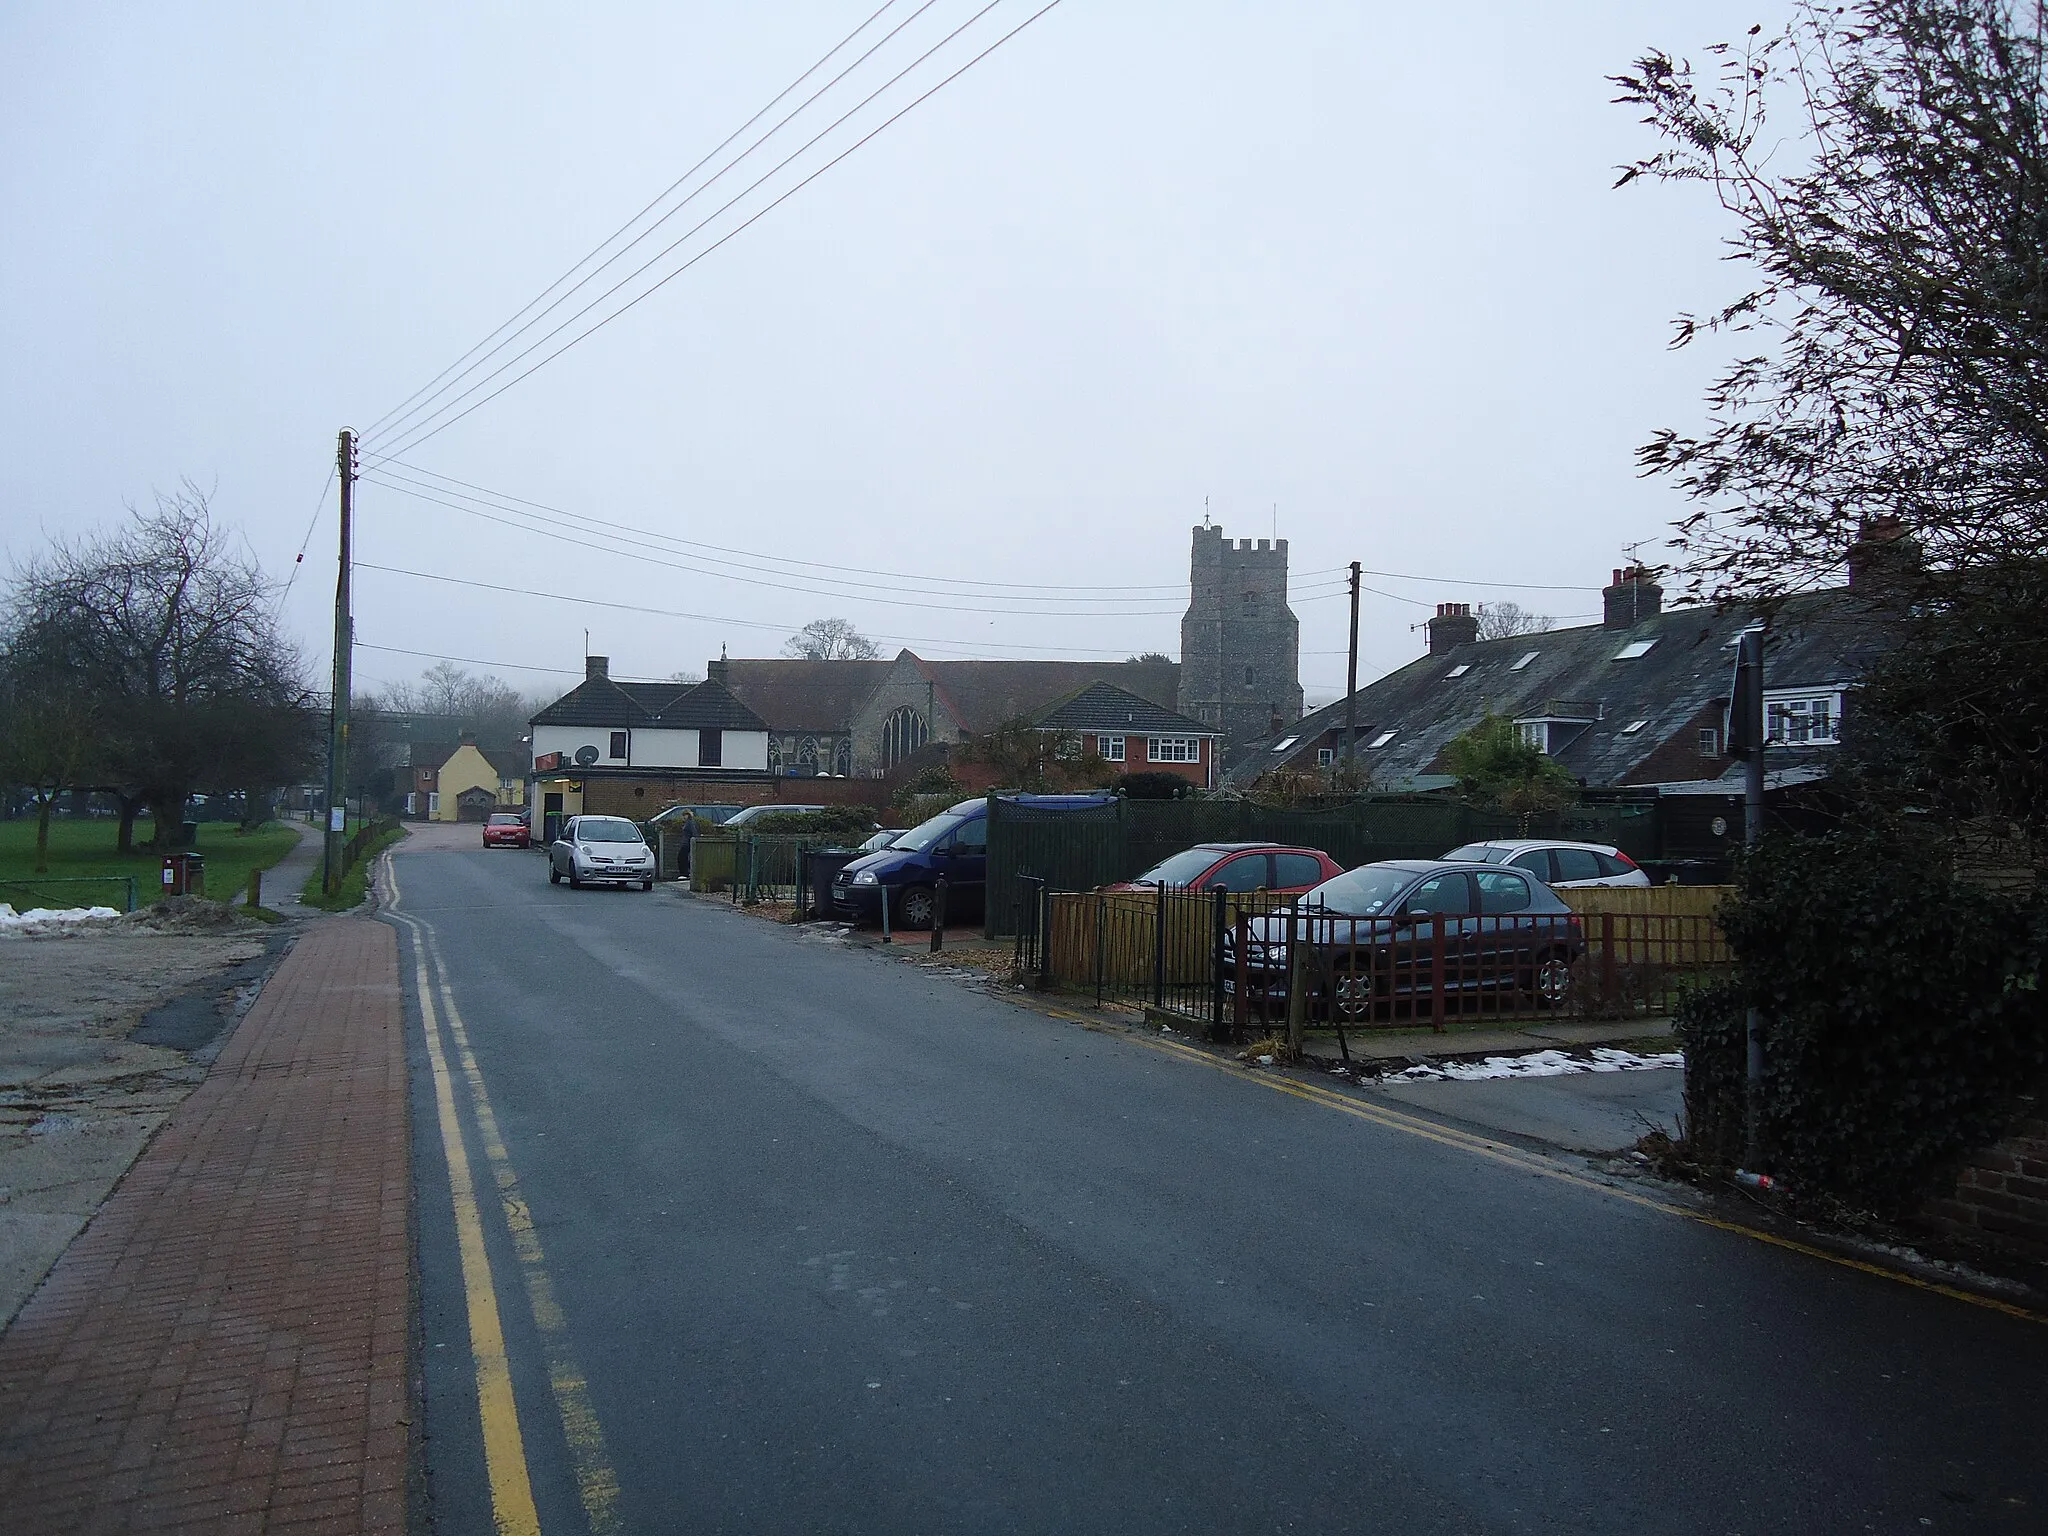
839,1246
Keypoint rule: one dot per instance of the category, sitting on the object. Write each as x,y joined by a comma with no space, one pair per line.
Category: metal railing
15,892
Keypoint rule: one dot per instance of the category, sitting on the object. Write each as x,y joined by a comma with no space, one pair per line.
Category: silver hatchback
595,850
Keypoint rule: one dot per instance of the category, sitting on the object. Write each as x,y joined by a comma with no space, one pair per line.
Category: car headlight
865,877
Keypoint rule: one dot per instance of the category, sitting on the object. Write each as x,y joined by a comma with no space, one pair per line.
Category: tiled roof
609,705
1688,662
1104,707
805,695
985,694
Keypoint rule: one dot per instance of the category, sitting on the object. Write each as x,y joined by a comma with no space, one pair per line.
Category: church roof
804,695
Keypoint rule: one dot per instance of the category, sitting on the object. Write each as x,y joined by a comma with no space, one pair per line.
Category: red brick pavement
224,1348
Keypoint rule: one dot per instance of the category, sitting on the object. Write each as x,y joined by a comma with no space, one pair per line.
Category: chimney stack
714,672
1882,553
1632,597
1454,625
595,667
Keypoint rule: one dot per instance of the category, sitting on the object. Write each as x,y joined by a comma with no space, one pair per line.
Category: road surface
781,1235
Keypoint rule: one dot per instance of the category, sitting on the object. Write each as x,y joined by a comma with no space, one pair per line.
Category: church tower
1240,644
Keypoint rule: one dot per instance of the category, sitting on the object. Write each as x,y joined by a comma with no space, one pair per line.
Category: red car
506,829
1239,867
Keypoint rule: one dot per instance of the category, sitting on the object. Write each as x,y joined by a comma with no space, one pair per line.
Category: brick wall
2000,1199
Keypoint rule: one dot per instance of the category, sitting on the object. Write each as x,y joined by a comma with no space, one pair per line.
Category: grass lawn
85,850
355,881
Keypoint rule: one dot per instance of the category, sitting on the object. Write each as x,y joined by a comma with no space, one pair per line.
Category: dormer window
1526,658
1634,649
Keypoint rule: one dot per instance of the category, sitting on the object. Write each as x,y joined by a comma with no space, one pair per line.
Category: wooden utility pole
344,646
1351,680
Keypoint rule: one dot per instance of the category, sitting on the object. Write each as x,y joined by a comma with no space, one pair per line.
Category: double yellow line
511,1482
1527,1162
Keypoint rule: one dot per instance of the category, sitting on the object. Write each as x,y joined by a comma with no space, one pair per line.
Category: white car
1561,866
595,849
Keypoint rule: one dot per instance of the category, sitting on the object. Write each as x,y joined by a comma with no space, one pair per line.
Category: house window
1526,658
1111,747
1325,756
1535,733
710,749
618,744
1710,741
1803,720
434,803
1173,749
1382,739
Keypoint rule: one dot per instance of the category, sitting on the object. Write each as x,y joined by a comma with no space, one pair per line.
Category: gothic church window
902,734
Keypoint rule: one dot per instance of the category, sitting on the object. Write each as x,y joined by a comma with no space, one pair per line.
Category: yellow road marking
1514,1157
512,1507
596,1482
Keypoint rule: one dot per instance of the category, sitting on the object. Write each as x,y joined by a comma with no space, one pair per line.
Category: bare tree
831,640
494,709
1501,621
172,636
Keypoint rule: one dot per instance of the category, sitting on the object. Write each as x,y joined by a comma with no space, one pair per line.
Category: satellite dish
585,756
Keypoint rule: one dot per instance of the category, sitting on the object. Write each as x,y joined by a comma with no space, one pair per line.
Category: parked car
739,820
1238,867
506,829
1562,866
886,838
706,815
595,850
953,844
1374,934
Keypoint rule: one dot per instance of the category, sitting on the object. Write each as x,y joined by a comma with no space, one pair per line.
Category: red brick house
1135,734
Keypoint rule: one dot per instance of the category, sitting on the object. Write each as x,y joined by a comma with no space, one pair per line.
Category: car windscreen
1181,869
607,831
1477,853
1362,892
508,821
925,833
880,841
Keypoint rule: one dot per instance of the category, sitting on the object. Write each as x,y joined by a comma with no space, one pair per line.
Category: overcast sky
1361,263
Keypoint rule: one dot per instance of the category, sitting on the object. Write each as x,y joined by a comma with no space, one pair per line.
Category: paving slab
225,1345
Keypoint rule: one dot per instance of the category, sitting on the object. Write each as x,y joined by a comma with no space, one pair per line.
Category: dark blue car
953,844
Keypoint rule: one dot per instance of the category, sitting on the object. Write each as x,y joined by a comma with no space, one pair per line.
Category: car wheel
574,883
1554,978
917,907
1351,993
646,885
554,874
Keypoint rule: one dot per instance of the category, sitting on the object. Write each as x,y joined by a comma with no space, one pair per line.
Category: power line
430,387
468,661
415,437
705,618
307,542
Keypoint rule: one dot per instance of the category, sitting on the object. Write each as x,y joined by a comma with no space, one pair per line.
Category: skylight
1634,649
1284,743
1382,739
1527,657
1633,726
1460,669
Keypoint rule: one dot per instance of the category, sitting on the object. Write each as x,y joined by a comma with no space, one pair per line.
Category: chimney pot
1452,627
1633,597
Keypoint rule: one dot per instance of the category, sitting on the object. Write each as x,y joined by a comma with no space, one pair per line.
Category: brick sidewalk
223,1349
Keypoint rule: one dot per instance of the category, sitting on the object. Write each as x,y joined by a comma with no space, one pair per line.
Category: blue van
954,844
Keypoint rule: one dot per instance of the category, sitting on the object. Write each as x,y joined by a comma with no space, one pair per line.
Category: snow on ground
38,917
1605,1058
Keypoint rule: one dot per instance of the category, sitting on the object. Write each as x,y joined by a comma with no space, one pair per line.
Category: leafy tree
1041,762
1150,658
172,637
831,640
1496,768
1502,621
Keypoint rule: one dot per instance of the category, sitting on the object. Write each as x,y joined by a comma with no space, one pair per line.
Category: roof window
1382,739
1527,657
1284,743
1460,669
1633,726
1634,649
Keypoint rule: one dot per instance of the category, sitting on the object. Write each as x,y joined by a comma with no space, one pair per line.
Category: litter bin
184,874
820,866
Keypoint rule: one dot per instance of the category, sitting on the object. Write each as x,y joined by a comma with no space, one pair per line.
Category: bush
1903,1016
838,823
1154,786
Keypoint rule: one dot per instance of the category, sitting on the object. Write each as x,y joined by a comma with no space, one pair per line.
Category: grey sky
1361,262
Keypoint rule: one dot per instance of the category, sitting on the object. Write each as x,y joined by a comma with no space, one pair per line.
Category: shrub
837,823
1154,786
1903,1015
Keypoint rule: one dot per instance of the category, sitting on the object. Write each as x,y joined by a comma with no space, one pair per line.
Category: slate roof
805,695
1819,638
609,705
985,694
1104,707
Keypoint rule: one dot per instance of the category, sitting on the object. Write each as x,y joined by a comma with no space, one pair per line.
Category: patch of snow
1552,1063
38,917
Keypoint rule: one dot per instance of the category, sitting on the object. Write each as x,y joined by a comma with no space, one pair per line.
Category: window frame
619,747
1783,706
1155,749
1111,749
711,747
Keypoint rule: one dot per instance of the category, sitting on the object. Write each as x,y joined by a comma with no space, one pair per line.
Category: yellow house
470,785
